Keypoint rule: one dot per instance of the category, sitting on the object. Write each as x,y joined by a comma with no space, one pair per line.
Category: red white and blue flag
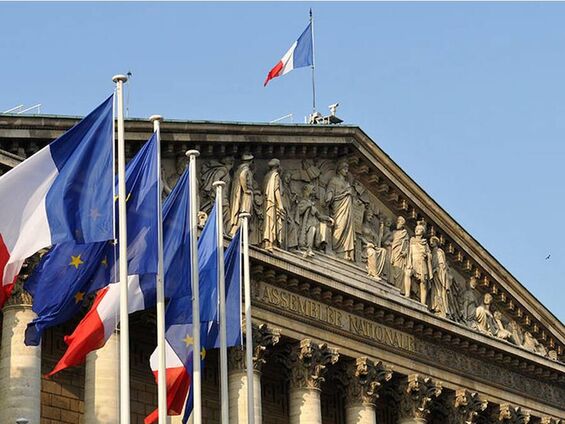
62,193
300,55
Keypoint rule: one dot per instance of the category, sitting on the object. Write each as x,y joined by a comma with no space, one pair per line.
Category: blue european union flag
70,271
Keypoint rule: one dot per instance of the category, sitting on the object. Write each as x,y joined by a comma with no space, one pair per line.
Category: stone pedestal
101,387
360,414
237,381
20,366
307,362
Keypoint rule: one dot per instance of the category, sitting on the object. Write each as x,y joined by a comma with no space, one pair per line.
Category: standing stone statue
441,281
241,199
310,219
469,304
290,201
399,253
484,317
339,195
170,179
216,170
418,264
273,207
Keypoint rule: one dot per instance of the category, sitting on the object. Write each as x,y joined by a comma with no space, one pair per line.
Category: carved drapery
308,363
364,377
264,338
418,393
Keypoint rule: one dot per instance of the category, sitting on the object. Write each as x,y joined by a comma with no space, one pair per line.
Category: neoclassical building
370,303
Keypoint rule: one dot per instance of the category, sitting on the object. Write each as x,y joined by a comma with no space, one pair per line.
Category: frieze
312,310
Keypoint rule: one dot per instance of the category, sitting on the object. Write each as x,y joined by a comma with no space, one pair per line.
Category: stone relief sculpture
339,196
399,253
274,212
211,171
241,198
312,223
315,205
170,179
418,265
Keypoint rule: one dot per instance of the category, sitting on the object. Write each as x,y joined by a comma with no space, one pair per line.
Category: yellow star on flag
76,261
203,353
104,262
79,297
188,340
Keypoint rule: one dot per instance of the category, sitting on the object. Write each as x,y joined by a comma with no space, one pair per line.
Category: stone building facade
370,303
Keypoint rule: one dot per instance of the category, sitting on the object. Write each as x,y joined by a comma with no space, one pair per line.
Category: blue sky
468,98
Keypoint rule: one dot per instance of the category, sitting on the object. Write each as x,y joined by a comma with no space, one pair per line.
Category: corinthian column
363,380
307,362
101,384
20,365
264,338
417,395
465,407
509,414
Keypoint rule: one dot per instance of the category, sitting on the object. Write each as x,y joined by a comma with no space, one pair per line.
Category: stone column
418,392
509,414
264,338
20,365
101,384
465,406
362,381
307,362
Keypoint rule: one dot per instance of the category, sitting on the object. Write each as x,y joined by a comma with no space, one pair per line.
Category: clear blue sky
468,98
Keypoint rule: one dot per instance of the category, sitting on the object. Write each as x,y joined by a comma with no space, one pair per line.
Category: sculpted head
228,161
488,299
274,163
434,241
308,190
473,283
287,177
420,230
497,315
247,158
343,168
400,223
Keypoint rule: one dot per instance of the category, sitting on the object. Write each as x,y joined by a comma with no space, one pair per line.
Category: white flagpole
313,64
248,328
162,366
224,396
196,362
123,261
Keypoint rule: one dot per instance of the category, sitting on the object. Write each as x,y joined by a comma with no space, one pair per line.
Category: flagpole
123,263
160,286
313,65
248,328
224,396
196,360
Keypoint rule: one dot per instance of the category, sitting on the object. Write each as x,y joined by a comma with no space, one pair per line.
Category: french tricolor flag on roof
63,192
300,55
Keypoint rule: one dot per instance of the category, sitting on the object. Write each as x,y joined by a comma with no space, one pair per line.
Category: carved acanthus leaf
467,406
510,414
418,394
364,378
264,338
307,361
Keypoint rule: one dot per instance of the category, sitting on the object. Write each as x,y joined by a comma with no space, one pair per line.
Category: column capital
363,378
307,361
19,296
264,338
418,392
510,414
550,420
466,406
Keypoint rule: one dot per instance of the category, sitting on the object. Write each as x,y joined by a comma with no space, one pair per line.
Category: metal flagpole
196,362
224,399
313,64
123,264
248,328
162,367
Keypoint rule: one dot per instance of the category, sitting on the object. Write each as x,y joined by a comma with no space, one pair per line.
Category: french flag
63,192
300,55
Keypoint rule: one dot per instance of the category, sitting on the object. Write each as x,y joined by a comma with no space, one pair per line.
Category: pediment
365,203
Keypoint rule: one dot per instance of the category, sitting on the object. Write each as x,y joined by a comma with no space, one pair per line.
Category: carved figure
501,332
484,317
469,303
274,212
216,170
310,222
241,198
532,344
418,264
441,281
290,201
399,252
171,179
376,260
339,195
257,216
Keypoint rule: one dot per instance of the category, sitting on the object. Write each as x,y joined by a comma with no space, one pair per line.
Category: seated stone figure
310,219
